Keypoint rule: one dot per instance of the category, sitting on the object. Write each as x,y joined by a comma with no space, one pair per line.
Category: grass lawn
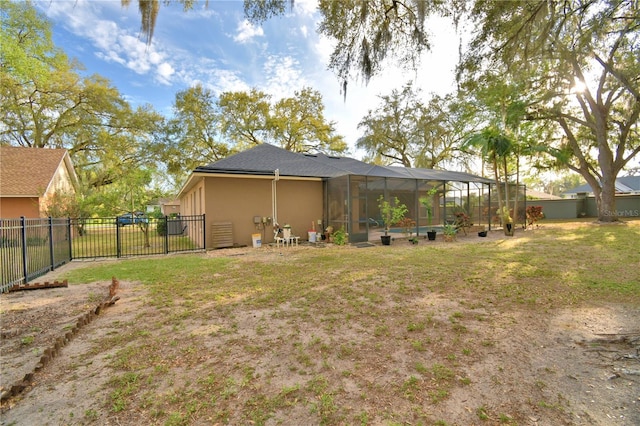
344,335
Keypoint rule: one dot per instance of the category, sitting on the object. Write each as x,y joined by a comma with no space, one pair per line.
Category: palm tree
496,147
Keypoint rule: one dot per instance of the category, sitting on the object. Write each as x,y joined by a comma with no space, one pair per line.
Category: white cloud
112,43
165,71
305,7
246,31
283,76
226,81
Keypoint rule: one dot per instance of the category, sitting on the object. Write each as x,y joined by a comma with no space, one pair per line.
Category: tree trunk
508,230
607,200
516,195
498,188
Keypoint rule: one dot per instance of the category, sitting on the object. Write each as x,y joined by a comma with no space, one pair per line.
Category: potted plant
449,232
391,213
463,221
408,225
340,237
427,202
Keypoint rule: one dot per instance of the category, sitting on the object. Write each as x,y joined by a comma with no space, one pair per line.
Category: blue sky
215,46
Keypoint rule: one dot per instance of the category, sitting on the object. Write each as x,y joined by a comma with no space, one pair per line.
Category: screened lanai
259,189
352,200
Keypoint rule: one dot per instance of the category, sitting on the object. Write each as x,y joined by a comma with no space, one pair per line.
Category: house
626,185
30,176
255,191
170,207
539,195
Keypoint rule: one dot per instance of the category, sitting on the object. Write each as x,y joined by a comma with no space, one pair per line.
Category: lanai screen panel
405,191
424,186
337,202
358,209
375,188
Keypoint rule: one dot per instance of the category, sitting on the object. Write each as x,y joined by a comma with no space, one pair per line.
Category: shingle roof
28,171
264,159
632,182
625,184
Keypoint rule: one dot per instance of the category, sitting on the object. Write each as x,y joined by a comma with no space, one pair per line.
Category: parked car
131,218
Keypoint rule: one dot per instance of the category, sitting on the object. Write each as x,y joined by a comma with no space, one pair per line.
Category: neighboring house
30,176
165,206
170,207
626,185
249,192
539,195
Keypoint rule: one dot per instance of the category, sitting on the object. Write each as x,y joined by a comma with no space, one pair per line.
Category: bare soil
585,360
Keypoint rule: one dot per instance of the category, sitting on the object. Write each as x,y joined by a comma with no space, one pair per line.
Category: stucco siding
14,207
239,200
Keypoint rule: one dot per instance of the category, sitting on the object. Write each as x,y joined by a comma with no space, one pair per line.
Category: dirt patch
574,366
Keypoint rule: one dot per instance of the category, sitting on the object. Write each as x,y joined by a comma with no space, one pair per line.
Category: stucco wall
626,206
193,203
238,200
558,209
14,207
571,208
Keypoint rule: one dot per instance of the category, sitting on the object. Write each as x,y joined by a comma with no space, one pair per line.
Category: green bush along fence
29,248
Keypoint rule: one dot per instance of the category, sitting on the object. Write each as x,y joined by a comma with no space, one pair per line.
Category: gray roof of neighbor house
264,159
624,184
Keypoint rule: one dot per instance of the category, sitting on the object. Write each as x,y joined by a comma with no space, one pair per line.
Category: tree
245,117
27,48
496,147
46,103
368,32
391,130
294,123
44,99
555,186
194,132
507,137
578,64
206,129
404,130
298,124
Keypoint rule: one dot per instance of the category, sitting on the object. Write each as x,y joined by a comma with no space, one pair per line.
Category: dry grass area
542,328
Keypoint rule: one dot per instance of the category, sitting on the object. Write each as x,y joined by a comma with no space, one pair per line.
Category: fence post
118,251
23,236
204,233
51,256
70,236
166,234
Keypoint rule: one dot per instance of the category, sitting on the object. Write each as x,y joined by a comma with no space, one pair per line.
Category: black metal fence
30,248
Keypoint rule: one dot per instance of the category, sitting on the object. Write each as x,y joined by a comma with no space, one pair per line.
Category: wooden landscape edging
52,351
38,286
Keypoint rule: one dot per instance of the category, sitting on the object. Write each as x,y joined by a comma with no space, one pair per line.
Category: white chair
277,238
288,238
